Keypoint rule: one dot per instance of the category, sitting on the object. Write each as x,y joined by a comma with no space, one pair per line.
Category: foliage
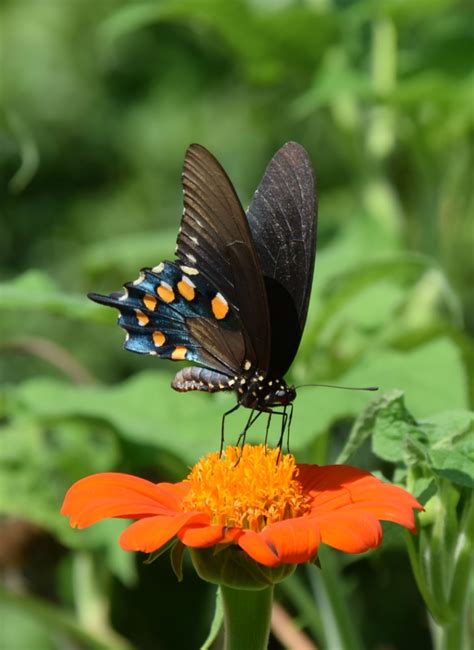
101,100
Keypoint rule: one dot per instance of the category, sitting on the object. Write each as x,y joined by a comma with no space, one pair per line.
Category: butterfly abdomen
194,378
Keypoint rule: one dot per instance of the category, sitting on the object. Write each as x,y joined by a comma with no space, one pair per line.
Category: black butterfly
235,300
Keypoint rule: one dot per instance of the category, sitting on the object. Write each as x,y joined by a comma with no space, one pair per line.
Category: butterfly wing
170,314
210,306
282,219
215,238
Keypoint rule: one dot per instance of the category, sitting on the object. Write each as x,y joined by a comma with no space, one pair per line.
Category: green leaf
35,290
430,374
456,466
131,251
103,537
443,443
449,427
423,488
39,462
32,622
415,452
22,630
267,49
451,445
342,287
365,423
394,428
145,410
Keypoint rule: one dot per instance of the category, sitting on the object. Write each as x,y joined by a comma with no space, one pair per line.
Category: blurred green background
100,101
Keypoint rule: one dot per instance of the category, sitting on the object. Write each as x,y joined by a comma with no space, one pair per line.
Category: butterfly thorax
261,393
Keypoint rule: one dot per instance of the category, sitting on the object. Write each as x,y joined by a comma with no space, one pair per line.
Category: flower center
247,488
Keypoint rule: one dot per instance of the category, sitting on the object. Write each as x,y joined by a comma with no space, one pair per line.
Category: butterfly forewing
282,219
215,238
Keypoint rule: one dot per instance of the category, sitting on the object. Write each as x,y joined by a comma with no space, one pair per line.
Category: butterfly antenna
371,388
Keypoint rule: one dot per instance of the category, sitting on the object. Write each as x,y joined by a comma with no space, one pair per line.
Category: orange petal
387,510
286,542
202,536
337,487
172,494
321,479
257,548
110,494
293,540
352,532
151,533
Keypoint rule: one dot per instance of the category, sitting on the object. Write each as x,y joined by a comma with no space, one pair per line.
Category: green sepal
160,551
176,557
216,624
232,567
316,561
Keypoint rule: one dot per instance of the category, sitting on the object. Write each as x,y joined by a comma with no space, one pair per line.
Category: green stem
303,602
439,556
452,636
92,604
247,617
381,127
384,55
420,580
339,629
464,557
449,568
455,634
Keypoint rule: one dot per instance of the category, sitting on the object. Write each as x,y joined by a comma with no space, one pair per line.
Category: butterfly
236,298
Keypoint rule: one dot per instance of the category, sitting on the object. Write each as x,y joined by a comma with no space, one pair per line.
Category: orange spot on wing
220,307
179,353
158,338
186,290
149,302
141,318
165,292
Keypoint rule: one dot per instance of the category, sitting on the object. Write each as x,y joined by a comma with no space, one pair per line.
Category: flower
256,498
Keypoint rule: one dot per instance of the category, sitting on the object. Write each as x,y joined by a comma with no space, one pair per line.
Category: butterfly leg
290,418
284,420
267,430
234,408
253,417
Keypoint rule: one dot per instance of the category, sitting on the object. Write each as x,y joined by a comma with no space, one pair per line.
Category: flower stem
339,629
420,578
455,634
247,616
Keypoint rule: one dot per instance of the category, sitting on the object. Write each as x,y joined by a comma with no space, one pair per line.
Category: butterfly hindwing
282,218
168,313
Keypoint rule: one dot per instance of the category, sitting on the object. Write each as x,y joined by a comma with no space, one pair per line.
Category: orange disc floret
246,488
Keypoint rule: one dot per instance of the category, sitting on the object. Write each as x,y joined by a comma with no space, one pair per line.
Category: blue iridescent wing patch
162,308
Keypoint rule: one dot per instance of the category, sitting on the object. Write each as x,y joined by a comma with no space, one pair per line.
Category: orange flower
276,511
